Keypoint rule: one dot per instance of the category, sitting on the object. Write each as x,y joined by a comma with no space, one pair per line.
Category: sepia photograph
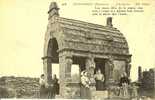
77,49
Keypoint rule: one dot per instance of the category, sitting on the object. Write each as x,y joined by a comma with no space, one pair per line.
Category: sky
23,25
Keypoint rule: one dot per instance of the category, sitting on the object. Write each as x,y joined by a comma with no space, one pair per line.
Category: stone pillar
110,81
128,67
47,68
62,74
68,65
65,63
109,66
90,66
106,73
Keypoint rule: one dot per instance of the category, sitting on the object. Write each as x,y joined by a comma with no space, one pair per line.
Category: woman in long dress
99,78
85,82
55,84
42,86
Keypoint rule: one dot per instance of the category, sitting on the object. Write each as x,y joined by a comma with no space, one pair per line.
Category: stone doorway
100,63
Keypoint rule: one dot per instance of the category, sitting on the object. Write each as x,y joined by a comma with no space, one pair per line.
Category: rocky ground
19,87
26,87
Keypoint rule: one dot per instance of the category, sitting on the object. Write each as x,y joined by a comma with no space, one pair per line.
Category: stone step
100,94
58,97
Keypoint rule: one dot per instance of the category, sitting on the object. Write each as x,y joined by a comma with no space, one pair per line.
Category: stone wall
119,69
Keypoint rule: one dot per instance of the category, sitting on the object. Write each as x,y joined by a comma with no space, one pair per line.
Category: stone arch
52,49
51,55
58,36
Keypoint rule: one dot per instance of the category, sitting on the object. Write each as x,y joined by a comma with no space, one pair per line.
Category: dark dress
43,91
99,85
99,82
51,94
55,86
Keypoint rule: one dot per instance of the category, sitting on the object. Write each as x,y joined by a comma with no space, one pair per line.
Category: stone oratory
91,46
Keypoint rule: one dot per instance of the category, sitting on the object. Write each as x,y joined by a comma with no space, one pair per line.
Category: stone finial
109,22
53,9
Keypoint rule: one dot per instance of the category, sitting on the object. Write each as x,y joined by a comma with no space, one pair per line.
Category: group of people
100,83
49,90
86,82
52,89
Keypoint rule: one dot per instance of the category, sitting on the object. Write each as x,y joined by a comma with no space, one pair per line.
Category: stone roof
86,37
91,37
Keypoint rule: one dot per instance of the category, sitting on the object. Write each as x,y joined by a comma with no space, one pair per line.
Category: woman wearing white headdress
43,89
85,83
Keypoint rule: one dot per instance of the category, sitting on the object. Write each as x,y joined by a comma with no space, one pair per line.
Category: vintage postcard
77,49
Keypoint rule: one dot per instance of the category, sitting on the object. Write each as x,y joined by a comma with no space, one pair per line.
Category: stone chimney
53,10
109,22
